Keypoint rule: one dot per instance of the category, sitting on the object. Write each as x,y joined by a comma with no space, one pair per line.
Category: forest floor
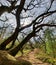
32,58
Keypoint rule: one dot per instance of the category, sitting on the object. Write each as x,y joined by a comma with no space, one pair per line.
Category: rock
7,59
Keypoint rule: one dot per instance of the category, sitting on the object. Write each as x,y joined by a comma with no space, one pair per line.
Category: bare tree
36,23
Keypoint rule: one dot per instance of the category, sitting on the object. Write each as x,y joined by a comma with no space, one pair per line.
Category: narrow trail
31,57
33,60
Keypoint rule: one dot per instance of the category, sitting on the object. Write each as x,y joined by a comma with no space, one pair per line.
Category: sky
34,13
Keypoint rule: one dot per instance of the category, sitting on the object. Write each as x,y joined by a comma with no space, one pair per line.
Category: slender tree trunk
7,41
31,45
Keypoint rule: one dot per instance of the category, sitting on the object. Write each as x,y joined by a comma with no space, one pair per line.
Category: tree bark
16,49
14,36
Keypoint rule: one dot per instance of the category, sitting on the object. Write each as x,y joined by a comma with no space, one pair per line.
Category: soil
31,57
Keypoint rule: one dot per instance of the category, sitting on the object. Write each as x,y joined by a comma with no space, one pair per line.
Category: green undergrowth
45,57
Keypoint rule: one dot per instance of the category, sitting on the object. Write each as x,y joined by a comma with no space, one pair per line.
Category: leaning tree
34,11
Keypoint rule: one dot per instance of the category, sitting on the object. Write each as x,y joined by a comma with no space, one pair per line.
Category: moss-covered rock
7,59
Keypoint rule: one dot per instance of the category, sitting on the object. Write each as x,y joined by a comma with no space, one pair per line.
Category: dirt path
33,60
31,57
